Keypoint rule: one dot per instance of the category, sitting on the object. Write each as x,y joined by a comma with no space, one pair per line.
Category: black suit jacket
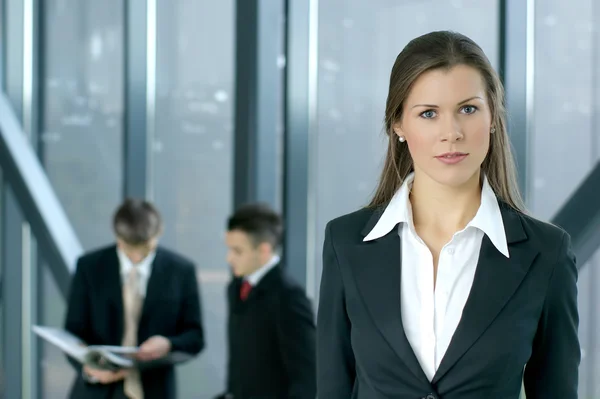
171,309
272,352
521,311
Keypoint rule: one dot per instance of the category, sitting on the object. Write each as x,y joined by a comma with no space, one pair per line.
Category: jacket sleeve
553,369
190,338
296,336
335,358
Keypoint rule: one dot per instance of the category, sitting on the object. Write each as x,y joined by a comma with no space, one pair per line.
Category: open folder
104,357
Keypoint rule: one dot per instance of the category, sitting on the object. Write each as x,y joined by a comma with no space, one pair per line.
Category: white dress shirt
431,315
254,277
144,268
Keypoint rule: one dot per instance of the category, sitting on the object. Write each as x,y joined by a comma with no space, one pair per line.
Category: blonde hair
444,50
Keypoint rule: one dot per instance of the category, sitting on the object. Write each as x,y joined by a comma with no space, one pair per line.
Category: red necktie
245,290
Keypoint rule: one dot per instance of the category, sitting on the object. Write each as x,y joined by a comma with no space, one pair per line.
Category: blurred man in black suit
134,293
271,324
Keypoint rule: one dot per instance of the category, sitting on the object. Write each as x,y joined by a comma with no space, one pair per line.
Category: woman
442,287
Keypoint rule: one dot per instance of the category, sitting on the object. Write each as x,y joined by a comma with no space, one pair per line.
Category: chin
455,177
236,273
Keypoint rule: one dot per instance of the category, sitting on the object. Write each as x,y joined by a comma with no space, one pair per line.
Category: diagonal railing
39,204
580,217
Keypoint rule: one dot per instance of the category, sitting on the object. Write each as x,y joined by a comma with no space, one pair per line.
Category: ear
264,248
154,241
398,129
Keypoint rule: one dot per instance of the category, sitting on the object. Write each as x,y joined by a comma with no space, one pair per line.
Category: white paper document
98,356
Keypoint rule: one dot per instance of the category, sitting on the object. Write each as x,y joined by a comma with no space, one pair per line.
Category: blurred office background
200,105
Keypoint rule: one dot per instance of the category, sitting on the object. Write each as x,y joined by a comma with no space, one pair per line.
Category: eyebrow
436,106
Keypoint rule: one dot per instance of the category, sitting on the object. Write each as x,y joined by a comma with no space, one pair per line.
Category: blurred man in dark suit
271,330
134,293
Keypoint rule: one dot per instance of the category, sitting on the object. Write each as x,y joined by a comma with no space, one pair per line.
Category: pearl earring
402,139
493,130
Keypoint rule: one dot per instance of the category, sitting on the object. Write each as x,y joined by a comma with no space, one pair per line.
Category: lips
451,158
452,155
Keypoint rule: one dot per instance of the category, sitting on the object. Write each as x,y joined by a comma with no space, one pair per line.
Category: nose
451,130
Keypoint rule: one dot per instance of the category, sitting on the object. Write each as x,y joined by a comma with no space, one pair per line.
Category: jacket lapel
377,271
496,280
156,286
233,292
113,290
266,284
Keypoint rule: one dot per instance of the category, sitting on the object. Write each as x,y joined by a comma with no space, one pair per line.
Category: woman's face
446,122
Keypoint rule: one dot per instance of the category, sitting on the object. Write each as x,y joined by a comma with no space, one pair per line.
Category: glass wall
565,143
358,43
192,160
56,375
82,130
82,136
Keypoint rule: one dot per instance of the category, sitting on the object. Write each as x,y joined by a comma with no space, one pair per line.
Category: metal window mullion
300,143
140,96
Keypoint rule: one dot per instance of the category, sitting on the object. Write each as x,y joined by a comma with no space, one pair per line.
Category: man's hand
154,348
105,376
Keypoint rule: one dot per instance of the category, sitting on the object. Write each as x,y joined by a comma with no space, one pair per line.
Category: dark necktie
245,290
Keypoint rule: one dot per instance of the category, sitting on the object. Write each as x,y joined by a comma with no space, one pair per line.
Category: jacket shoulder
549,240
289,292
546,234
175,259
351,225
288,284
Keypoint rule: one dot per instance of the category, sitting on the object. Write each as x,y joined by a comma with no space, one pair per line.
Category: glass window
83,111
565,142
57,375
358,44
564,102
82,94
192,161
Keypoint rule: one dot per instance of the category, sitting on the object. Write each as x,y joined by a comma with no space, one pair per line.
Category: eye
469,109
429,114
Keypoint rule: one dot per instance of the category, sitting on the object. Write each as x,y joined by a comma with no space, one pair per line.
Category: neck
444,208
263,263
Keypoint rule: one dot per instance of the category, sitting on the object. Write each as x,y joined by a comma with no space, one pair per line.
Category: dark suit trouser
118,391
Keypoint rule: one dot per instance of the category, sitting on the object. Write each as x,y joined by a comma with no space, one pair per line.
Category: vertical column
12,300
301,105
593,386
140,96
256,106
517,55
38,257
12,256
19,283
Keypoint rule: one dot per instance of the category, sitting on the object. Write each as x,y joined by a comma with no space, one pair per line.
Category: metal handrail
39,203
